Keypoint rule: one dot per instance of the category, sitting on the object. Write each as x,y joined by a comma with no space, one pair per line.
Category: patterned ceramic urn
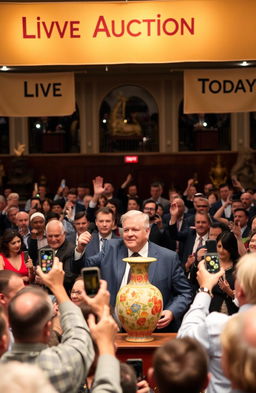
139,304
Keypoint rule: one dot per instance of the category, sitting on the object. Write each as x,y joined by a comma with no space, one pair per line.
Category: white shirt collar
143,251
107,237
205,237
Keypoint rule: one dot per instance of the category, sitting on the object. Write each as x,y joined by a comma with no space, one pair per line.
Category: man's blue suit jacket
166,274
93,247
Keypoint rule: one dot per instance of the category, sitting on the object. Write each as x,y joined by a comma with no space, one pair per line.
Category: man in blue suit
166,273
104,221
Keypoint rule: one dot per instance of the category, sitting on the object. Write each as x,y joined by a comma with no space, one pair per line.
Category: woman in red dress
12,256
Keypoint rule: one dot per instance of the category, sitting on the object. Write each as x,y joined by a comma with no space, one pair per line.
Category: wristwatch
205,290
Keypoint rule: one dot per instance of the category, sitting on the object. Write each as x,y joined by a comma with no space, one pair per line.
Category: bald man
64,250
22,222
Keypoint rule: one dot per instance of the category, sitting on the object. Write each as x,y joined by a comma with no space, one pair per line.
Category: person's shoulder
162,250
216,320
216,205
115,242
164,201
67,246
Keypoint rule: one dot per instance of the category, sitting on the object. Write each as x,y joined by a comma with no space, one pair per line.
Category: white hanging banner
220,91
37,94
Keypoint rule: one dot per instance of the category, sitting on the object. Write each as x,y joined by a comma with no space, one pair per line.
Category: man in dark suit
64,250
191,238
81,225
72,207
225,194
166,273
158,232
248,203
104,221
241,218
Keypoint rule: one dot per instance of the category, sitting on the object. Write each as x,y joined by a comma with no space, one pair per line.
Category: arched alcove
204,131
128,121
54,134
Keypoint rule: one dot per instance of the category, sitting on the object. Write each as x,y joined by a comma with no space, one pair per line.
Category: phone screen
137,365
46,257
212,262
211,257
26,256
91,280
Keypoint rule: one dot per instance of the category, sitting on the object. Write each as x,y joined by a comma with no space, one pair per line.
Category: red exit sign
131,159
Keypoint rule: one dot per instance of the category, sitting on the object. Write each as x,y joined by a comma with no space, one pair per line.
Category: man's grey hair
19,377
13,195
180,199
142,217
56,222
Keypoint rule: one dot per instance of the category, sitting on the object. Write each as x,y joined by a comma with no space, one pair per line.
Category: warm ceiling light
244,63
4,68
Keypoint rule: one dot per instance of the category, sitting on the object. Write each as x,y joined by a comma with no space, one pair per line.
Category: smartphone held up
211,258
137,365
46,258
91,277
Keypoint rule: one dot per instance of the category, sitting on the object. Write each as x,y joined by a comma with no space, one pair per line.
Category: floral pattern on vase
139,304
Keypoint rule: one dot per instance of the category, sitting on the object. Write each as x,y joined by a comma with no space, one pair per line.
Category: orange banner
220,91
37,94
127,32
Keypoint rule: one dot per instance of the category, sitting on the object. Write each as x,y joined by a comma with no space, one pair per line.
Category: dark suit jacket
65,254
93,247
161,238
166,274
215,207
246,232
5,224
187,237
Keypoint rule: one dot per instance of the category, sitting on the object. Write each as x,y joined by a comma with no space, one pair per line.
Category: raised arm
218,215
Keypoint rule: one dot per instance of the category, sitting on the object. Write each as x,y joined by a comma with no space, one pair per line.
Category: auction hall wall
168,165
171,169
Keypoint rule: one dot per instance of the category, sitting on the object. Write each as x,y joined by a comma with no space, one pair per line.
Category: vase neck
139,272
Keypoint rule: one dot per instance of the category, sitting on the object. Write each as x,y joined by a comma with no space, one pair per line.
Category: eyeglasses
202,206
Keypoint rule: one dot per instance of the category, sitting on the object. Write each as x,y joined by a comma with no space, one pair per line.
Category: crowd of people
49,320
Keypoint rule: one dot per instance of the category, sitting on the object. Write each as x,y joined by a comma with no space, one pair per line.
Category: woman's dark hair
229,243
8,236
48,200
115,203
134,199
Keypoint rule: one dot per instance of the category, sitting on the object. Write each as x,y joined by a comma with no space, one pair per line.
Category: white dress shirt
206,328
197,241
143,253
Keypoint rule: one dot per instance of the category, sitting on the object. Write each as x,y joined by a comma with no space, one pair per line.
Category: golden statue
218,173
19,151
118,124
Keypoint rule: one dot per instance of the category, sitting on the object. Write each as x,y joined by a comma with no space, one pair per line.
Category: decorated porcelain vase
139,304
